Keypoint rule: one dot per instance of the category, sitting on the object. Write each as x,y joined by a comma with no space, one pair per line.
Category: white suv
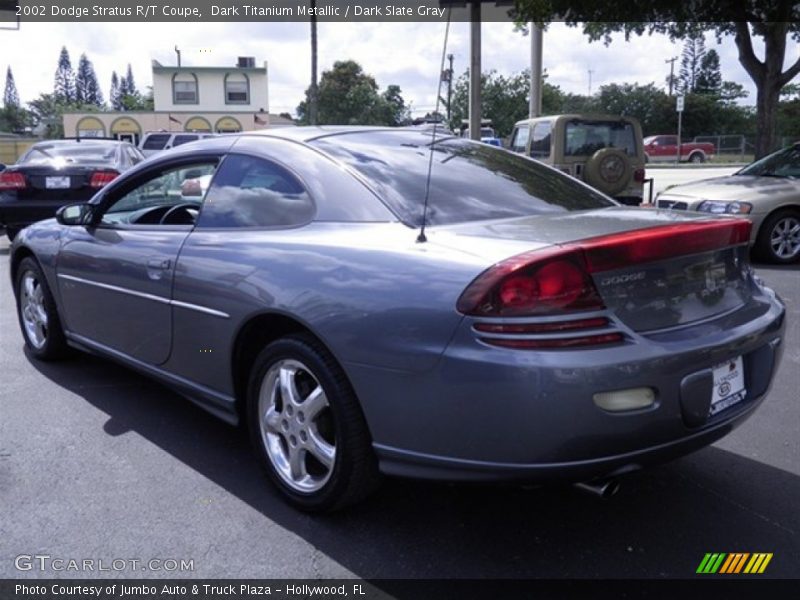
156,141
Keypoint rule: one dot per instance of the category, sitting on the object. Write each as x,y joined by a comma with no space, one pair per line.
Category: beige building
185,98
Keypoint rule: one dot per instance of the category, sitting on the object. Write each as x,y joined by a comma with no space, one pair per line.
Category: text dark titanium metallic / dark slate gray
541,333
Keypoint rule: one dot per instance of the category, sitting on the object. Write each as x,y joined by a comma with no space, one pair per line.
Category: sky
406,54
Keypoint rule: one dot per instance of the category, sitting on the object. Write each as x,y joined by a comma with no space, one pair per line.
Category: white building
188,98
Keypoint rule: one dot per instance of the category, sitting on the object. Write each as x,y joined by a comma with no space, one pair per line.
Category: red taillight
532,283
102,178
638,175
10,180
558,279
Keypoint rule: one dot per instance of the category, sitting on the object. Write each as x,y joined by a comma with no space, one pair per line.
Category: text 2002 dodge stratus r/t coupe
537,331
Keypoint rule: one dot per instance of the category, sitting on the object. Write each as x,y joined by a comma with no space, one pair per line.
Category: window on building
184,89
237,89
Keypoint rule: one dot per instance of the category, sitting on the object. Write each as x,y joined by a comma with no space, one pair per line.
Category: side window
519,141
171,197
540,144
254,192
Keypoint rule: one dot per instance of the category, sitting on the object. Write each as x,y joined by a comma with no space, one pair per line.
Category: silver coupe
373,301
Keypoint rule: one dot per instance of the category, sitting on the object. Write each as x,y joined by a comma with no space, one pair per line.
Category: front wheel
307,428
696,158
779,237
36,309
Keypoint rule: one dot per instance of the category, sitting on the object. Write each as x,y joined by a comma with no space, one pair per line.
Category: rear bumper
488,413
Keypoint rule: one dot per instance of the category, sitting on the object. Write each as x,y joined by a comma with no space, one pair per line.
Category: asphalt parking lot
97,462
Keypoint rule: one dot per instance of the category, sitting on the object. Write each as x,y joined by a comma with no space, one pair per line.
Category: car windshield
469,181
784,163
68,154
584,138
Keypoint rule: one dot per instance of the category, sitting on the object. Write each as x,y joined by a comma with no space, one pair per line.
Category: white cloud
404,53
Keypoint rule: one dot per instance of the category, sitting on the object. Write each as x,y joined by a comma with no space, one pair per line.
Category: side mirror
73,214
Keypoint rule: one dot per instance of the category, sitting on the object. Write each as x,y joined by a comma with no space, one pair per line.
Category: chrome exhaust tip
604,488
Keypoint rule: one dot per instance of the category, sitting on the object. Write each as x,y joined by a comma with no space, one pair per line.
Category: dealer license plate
56,183
728,385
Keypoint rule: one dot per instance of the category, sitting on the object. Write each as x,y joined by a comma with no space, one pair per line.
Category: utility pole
313,101
671,62
449,88
590,81
475,71
535,107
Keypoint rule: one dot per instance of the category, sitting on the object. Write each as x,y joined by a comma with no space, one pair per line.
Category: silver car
489,319
766,192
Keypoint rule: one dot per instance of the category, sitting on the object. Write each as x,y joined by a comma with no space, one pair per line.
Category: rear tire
778,239
36,310
307,428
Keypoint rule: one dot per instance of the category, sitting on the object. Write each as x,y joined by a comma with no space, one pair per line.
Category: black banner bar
729,588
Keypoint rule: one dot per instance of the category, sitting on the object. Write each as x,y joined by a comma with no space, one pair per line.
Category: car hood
736,187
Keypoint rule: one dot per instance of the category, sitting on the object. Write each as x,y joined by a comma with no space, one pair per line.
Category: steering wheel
187,218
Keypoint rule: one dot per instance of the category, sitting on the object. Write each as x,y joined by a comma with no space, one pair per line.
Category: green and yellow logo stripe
734,563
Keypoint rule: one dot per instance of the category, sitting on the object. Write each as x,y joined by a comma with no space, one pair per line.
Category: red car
664,148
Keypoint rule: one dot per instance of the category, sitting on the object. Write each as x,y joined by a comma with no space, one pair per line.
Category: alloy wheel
34,315
296,426
785,238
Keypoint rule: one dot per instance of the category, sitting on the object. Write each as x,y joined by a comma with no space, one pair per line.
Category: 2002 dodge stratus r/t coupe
537,331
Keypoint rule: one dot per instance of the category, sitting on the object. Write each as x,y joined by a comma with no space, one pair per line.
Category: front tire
697,158
307,428
778,239
36,310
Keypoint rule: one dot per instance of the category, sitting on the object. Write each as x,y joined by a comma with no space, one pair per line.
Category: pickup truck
664,148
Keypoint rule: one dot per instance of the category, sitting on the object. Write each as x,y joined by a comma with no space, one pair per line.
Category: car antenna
421,238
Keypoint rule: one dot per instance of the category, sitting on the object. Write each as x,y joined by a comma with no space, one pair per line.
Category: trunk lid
70,184
653,269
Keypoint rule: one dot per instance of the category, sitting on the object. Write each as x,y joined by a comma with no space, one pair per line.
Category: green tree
348,96
504,99
709,79
114,97
10,95
652,106
48,110
694,51
87,90
774,22
64,84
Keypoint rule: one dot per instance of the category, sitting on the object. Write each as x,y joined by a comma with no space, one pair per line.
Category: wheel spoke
321,450
297,463
29,286
315,402
288,389
272,420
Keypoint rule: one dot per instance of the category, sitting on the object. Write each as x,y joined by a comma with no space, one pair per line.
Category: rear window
80,153
584,138
155,142
469,181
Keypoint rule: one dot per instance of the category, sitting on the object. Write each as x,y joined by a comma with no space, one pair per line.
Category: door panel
116,287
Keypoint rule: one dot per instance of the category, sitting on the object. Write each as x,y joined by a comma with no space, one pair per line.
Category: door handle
158,263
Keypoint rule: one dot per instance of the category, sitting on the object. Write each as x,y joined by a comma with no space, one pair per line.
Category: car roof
582,117
311,132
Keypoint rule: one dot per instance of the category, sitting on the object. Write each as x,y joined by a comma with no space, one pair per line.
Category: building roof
159,68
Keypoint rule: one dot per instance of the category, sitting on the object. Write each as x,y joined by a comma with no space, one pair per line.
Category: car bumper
489,413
